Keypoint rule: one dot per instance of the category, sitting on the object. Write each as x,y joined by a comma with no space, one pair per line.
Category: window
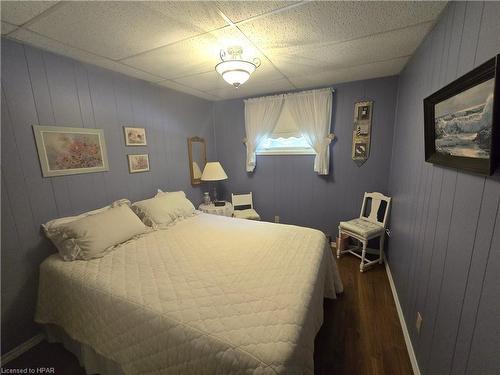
285,146
285,139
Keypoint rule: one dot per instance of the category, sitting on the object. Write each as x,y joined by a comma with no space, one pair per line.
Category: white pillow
93,234
163,209
53,224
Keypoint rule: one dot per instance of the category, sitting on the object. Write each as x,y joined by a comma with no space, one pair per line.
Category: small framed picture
135,136
138,163
360,150
364,112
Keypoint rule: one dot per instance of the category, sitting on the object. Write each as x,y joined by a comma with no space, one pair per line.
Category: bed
208,295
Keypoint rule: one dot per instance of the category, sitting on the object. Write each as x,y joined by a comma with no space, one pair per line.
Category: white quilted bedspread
209,295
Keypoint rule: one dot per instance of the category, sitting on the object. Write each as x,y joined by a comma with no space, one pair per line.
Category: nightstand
226,210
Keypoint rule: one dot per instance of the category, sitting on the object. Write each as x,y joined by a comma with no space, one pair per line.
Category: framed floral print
138,163
65,151
135,136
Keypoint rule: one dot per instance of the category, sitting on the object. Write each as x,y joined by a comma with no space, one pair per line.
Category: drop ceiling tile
188,90
205,81
253,88
117,29
356,73
7,28
193,56
326,21
20,12
293,61
238,11
40,41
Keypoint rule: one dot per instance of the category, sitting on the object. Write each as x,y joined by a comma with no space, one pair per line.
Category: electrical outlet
276,219
418,322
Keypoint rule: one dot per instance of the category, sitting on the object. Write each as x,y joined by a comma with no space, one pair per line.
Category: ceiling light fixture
233,68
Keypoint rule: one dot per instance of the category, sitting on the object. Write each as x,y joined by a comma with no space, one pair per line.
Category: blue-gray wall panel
43,88
444,221
483,357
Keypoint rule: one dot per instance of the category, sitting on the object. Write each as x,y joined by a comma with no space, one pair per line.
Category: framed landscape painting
138,163
64,151
461,121
135,136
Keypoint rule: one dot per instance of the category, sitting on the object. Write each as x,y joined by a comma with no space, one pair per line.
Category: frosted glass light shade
213,171
235,77
235,72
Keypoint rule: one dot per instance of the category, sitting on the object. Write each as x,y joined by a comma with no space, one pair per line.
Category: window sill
297,151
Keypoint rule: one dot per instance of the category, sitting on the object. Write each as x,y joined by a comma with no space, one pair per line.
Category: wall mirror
197,158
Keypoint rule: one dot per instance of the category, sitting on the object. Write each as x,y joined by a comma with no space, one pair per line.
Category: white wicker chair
243,207
366,228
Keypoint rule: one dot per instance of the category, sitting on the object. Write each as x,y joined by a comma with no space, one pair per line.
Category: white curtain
261,116
312,112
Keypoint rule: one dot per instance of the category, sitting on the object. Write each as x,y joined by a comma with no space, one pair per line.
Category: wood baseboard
22,348
409,345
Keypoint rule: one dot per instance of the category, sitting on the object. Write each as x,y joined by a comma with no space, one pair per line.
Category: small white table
226,210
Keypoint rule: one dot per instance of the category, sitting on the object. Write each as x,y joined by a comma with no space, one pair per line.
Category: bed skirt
93,362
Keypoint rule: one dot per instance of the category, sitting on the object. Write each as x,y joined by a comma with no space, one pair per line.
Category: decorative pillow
53,224
163,209
52,231
93,234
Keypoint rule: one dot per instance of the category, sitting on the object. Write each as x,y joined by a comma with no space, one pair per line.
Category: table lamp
212,172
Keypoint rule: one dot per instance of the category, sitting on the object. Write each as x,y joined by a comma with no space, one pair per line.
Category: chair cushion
362,227
249,213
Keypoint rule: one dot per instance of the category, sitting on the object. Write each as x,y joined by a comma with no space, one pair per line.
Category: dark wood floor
361,333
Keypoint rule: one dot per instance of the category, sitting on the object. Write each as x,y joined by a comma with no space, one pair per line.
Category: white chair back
376,201
239,200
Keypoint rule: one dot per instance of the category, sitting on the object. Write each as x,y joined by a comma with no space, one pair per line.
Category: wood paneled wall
445,245
43,88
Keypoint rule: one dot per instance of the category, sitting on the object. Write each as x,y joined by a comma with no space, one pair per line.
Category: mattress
209,295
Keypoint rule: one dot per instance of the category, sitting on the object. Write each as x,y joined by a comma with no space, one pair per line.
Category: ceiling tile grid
175,44
7,28
355,73
191,56
20,12
40,41
302,60
117,29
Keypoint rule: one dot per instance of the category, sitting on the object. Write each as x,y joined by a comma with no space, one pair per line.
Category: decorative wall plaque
361,133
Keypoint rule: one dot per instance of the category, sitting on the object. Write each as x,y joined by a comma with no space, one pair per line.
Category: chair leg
381,255
338,245
362,264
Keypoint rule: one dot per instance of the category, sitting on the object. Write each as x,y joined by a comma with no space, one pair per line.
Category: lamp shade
213,171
